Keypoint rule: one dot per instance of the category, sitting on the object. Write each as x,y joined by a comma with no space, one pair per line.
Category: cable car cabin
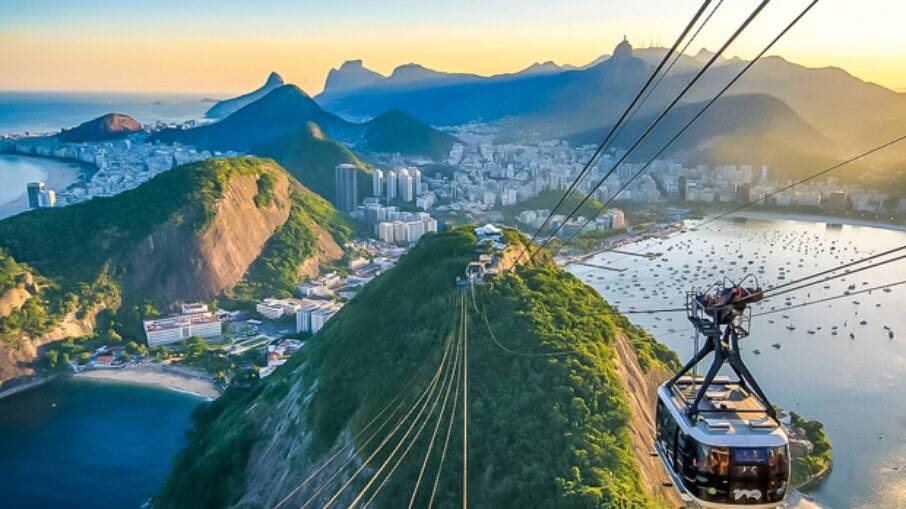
732,455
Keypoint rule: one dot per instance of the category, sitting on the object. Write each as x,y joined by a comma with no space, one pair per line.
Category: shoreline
60,174
156,375
27,385
812,218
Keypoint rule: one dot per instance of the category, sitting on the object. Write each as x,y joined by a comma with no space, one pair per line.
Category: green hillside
544,431
281,111
98,250
75,242
398,131
311,157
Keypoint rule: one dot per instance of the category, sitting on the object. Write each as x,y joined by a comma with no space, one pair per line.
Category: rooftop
172,322
727,409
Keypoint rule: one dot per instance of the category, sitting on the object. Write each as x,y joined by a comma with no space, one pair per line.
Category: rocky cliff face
190,234
17,361
174,263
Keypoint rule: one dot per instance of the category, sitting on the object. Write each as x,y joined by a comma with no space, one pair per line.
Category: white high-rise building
400,231
417,180
385,232
377,182
163,331
406,185
391,184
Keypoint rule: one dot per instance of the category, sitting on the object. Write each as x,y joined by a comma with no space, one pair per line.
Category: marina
832,361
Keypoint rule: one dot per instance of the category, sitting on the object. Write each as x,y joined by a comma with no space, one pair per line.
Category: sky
229,46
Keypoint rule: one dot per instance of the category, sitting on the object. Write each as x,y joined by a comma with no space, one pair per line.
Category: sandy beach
16,171
780,216
157,376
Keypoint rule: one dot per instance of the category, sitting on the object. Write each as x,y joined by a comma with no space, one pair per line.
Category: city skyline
227,47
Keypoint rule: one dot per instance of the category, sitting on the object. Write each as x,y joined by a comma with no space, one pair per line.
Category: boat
790,327
756,351
776,345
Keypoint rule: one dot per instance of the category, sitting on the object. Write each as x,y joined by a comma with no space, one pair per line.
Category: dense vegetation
819,459
398,131
544,431
311,157
265,195
79,251
74,243
10,271
211,469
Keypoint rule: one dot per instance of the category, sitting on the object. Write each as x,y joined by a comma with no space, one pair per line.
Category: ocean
17,171
87,444
854,386
45,112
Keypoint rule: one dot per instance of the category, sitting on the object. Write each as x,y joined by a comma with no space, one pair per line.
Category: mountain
352,75
227,107
542,431
853,114
752,129
111,126
238,227
278,125
311,157
282,111
398,131
551,101
540,68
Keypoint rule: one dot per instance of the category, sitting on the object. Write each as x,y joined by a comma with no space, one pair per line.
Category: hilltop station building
195,320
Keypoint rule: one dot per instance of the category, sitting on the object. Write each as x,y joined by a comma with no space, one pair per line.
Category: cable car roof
729,416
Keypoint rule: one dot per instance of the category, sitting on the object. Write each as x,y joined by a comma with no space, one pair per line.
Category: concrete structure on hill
163,331
314,315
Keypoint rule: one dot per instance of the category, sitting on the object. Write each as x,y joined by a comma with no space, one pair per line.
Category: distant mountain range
111,126
286,111
846,114
774,135
227,107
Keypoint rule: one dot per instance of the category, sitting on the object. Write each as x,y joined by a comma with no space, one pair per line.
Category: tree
52,357
194,346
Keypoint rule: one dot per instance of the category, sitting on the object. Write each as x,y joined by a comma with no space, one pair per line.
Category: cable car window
778,462
666,429
750,456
